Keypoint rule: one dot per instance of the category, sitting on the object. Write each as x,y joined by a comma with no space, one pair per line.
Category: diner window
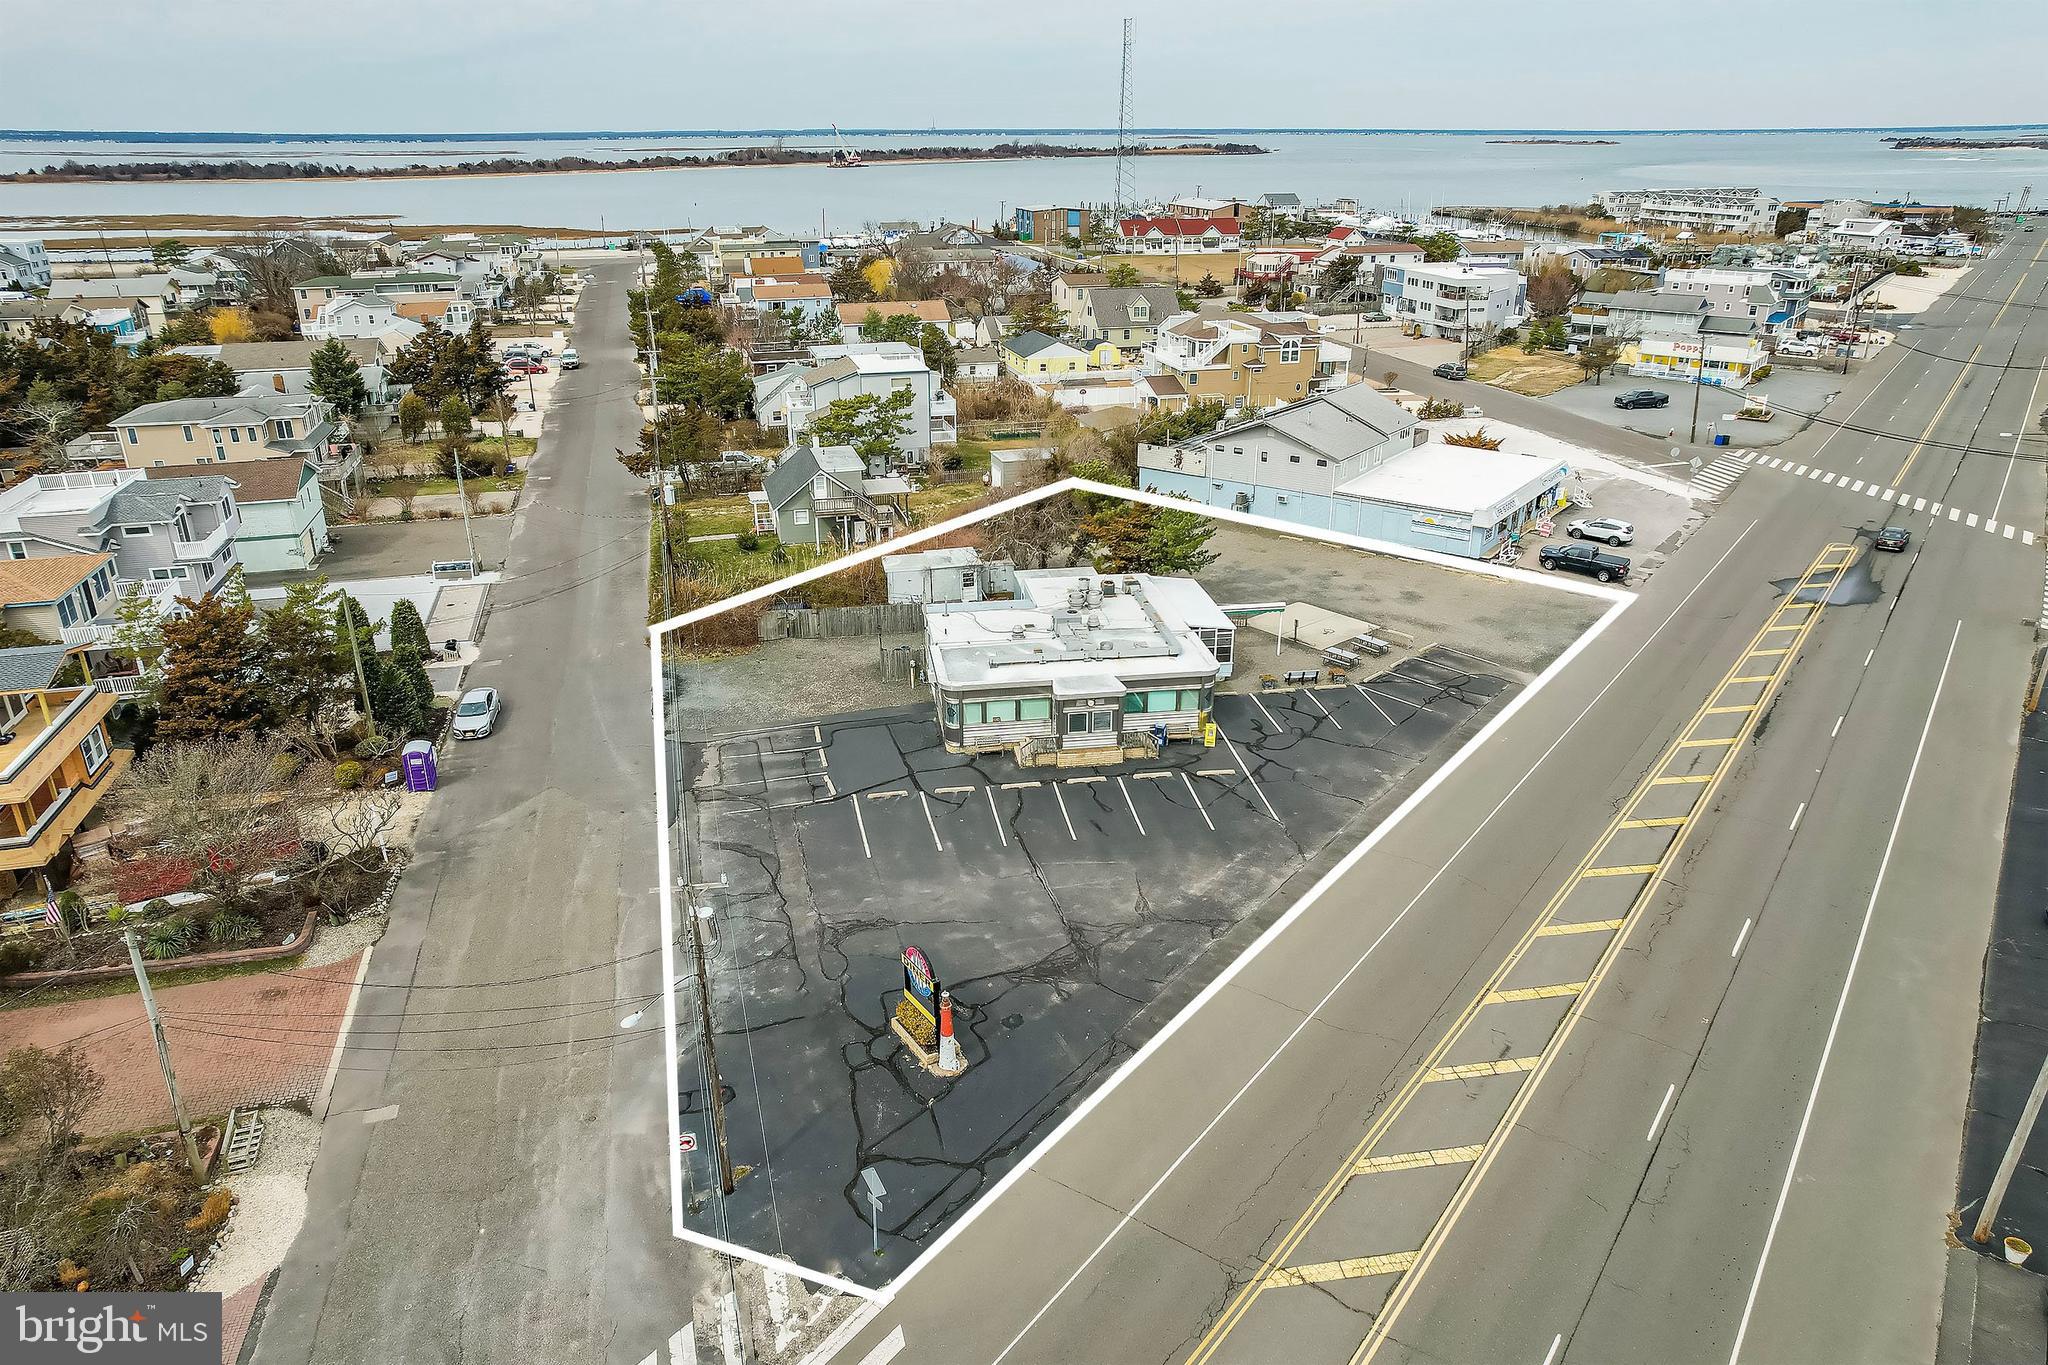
1077,722
1104,722
952,715
1002,712
1034,708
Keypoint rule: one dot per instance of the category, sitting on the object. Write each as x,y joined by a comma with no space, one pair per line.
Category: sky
574,65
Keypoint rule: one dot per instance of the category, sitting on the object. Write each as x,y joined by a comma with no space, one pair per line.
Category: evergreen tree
408,672
394,699
413,413
139,639
408,631
305,663
336,377
210,685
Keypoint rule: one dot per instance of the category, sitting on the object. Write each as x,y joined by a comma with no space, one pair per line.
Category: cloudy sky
444,66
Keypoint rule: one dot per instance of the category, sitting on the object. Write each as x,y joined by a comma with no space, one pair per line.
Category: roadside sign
1208,734
920,986
687,1141
873,1182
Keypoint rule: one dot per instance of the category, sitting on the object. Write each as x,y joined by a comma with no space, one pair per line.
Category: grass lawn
1518,371
974,455
719,516
398,488
936,504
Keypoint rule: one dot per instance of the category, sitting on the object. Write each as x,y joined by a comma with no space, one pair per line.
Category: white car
1609,529
476,713
570,360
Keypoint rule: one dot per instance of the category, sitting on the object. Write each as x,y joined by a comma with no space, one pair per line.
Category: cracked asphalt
1068,917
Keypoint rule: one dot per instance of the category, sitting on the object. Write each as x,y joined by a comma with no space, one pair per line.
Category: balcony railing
99,632
42,731
215,541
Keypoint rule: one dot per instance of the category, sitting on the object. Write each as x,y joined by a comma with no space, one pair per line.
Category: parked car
1613,530
519,364
1797,348
1586,560
570,360
1894,538
476,713
1450,369
1642,398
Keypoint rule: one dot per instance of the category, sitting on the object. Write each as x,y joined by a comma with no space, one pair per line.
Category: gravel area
782,682
270,1204
339,942
1519,625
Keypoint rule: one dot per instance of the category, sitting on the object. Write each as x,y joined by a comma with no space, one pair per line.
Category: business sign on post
920,985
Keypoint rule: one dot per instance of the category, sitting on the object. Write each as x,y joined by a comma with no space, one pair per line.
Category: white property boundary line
1617,599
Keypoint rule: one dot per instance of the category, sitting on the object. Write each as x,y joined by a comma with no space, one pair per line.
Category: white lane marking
1664,1104
1375,705
996,815
1838,726
1063,811
1936,510
887,1350
1555,1342
1246,769
1194,797
1871,655
1130,1215
2033,396
1278,728
1795,817
861,820
1324,709
1741,938
1131,805
1842,1002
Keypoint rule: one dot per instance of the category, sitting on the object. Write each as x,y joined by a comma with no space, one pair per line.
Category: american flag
51,915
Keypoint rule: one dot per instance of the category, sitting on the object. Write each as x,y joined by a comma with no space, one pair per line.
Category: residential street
1558,1073
492,1182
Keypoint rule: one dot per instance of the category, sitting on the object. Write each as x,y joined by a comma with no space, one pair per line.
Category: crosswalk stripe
682,1347
2009,529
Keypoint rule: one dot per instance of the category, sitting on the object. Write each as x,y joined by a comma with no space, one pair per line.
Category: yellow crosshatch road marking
1728,710
1534,993
1820,578
1472,1071
1588,926
1409,1161
1356,1268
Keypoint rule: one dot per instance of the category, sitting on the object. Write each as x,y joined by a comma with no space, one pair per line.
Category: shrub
373,747
748,542
779,555
22,955
116,913
348,774
1435,409
150,876
229,927
166,938
1476,439
212,1213
952,461
1760,372
286,766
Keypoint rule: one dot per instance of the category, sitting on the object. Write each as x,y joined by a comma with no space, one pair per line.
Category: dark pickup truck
1586,560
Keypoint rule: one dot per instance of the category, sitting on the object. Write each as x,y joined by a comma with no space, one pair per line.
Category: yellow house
1254,360
56,763
1034,355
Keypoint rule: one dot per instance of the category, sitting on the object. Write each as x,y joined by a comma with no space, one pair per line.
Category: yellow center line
1432,1067
1900,478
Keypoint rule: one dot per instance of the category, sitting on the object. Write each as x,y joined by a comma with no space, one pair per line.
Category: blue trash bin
1720,438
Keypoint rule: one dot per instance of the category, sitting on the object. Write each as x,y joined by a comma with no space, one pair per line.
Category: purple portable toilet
417,758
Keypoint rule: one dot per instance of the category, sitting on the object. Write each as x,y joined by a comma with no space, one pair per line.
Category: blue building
1356,462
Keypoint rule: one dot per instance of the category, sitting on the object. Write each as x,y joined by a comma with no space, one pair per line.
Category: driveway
1793,390
397,548
491,1184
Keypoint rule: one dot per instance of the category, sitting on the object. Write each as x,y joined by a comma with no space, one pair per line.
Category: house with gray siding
791,396
823,495
174,537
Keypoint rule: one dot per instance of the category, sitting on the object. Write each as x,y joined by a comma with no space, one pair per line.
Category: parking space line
1198,802
1310,694
1390,696
929,823
997,816
1277,726
1131,805
861,820
1375,705
1063,811
1246,769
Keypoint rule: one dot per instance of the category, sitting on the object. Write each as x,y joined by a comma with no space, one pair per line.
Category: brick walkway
236,1312
227,1038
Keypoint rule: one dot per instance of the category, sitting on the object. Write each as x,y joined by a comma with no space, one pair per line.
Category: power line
474,985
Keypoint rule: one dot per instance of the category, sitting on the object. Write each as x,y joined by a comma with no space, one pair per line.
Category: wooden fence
841,623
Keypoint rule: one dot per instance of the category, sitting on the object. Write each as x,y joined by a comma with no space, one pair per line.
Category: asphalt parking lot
1070,912
1797,390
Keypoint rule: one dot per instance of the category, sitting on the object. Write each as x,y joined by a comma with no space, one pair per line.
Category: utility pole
661,506
2011,1160
714,1087
1699,364
355,648
163,1055
462,495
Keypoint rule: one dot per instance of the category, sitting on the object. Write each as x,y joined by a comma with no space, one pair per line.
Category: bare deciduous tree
361,821
53,1089
221,805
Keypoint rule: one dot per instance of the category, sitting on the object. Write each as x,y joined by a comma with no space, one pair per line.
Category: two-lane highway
1575,1064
